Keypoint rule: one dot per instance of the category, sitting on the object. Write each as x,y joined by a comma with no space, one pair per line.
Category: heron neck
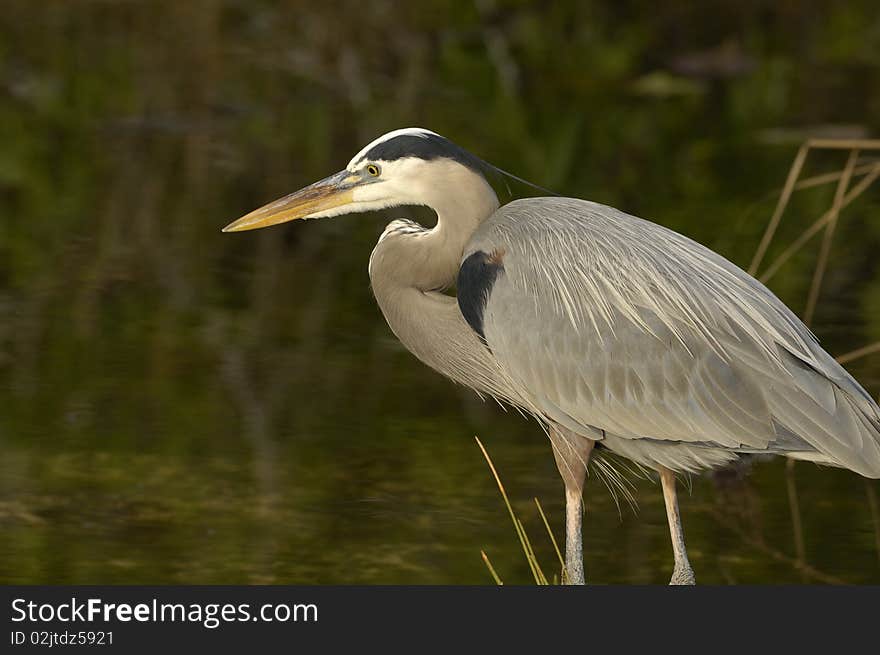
436,254
430,325
407,270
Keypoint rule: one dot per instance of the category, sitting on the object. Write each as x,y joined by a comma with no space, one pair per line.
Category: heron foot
683,575
574,574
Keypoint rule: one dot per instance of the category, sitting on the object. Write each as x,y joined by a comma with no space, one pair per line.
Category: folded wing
614,325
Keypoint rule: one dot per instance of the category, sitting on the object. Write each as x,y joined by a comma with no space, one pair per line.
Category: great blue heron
607,328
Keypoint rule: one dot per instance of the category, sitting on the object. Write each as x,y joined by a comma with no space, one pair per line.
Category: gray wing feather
619,326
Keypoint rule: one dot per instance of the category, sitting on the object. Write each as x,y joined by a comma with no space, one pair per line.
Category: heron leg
572,453
682,574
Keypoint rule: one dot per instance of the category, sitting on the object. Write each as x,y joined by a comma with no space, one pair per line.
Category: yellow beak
330,193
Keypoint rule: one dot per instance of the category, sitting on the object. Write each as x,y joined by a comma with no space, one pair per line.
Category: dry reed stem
808,234
520,531
825,249
844,144
859,352
491,568
842,197
790,185
793,174
828,178
875,514
540,578
553,541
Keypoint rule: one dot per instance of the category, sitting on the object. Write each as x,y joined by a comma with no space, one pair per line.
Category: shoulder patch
476,277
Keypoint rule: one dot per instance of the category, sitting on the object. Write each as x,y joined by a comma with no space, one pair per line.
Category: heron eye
373,170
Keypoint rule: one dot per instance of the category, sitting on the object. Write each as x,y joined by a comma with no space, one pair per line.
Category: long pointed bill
312,202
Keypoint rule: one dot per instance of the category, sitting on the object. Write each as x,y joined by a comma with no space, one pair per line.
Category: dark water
178,405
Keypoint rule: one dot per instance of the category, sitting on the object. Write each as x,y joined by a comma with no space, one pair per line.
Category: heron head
412,166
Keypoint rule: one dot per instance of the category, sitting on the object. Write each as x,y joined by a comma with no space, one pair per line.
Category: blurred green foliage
181,405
